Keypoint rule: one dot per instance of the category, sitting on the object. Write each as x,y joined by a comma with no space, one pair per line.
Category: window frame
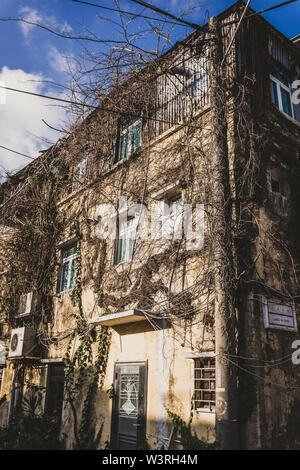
1,377
123,231
175,217
125,129
81,168
69,259
212,391
279,84
52,379
281,199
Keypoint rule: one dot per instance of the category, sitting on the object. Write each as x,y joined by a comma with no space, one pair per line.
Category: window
130,138
1,377
2,350
282,95
16,394
204,384
79,174
172,222
67,269
125,240
277,182
55,389
279,191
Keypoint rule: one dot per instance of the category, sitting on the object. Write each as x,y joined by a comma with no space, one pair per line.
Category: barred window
204,384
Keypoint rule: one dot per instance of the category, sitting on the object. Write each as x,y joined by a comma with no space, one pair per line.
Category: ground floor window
55,389
204,384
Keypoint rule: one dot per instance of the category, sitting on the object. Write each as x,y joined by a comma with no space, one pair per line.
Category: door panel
129,406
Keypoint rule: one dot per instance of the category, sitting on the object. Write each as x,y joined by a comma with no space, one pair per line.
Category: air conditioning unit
22,342
29,304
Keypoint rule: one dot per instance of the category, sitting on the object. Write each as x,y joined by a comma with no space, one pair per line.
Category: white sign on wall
279,316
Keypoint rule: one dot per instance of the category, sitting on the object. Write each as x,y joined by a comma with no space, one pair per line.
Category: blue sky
30,57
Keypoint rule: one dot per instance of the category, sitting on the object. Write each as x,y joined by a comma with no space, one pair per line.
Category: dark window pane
274,94
286,102
65,276
55,390
275,186
72,274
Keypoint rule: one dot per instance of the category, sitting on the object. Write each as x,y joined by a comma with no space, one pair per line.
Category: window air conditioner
29,304
22,342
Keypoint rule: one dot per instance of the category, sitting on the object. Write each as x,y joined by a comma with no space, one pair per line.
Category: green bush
31,432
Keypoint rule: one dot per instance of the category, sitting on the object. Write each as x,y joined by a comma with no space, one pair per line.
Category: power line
181,22
61,35
100,108
279,5
124,12
268,382
18,153
272,8
162,12
48,97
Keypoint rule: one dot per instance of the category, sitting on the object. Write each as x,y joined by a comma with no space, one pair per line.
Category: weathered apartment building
120,330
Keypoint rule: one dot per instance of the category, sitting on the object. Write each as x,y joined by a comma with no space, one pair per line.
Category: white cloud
57,60
21,118
35,16
29,14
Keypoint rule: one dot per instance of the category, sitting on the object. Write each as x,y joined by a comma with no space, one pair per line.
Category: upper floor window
130,138
67,268
173,219
125,239
79,174
279,191
281,91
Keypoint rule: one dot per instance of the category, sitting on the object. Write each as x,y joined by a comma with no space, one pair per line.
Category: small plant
188,439
111,391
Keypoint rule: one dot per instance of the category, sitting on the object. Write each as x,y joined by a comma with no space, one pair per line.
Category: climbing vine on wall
81,370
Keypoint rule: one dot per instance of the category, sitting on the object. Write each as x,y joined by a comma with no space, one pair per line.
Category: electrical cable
18,153
57,33
124,12
163,12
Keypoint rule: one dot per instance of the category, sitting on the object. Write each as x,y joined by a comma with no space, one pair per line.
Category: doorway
128,431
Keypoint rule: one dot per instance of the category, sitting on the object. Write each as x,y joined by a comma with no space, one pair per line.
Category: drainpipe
221,222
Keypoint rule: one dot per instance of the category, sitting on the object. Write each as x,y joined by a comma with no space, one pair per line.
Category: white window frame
1,377
68,259
126,227
172,223
126,129
78,179
288,89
